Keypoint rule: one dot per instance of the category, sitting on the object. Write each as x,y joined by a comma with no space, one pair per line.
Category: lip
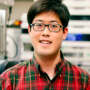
46,41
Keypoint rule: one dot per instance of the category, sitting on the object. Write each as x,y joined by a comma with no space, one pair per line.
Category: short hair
49,5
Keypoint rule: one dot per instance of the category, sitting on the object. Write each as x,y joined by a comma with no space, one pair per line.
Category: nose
46,32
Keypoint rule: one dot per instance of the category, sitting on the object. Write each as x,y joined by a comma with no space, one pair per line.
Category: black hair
49,5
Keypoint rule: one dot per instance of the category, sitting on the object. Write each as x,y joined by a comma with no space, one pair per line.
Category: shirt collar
34,61
59,66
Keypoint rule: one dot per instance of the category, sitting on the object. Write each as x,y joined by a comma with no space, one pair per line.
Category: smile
45,42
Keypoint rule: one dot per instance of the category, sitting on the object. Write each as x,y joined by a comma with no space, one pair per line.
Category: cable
16,48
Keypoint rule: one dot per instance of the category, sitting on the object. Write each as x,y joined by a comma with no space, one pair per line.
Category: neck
48,63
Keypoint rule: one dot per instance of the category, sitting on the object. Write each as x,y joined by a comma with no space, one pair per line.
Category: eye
39,25
53,26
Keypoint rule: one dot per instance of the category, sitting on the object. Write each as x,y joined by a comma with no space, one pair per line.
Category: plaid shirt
29,76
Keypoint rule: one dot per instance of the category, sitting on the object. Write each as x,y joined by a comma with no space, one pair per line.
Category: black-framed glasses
41,27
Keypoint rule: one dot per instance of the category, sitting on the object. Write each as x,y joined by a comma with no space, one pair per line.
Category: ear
29,30
65,32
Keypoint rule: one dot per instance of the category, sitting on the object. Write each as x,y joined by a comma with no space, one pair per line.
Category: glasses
41,27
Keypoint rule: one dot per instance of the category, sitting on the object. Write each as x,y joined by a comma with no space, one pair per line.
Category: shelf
75,44
79,4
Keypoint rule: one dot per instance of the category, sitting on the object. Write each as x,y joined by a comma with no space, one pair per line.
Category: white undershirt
51,78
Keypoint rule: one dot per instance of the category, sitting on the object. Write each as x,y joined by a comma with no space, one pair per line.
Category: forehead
47,16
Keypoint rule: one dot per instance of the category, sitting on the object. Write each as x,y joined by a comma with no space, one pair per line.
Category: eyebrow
50,21
54,21
39,20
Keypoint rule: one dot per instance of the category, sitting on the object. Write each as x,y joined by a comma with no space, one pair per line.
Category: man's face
47,43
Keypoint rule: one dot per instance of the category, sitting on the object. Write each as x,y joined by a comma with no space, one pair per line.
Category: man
47,70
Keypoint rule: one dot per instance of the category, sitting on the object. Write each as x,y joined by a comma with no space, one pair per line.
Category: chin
46,54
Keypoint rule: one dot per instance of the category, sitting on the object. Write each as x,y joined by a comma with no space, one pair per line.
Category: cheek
34,36
58,40
58,37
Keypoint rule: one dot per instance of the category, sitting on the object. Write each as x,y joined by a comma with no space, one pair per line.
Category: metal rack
2,33
4,4
75,50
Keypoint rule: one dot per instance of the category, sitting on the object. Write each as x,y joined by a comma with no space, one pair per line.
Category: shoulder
16,69
76,70
15,73
78,75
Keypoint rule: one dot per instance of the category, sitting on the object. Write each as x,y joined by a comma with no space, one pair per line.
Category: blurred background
15,44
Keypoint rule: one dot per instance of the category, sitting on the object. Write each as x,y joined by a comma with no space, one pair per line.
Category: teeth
46,42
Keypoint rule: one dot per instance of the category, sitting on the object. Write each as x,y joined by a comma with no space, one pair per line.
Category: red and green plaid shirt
29,76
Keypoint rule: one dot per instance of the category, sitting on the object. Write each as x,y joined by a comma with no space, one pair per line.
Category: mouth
45,42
